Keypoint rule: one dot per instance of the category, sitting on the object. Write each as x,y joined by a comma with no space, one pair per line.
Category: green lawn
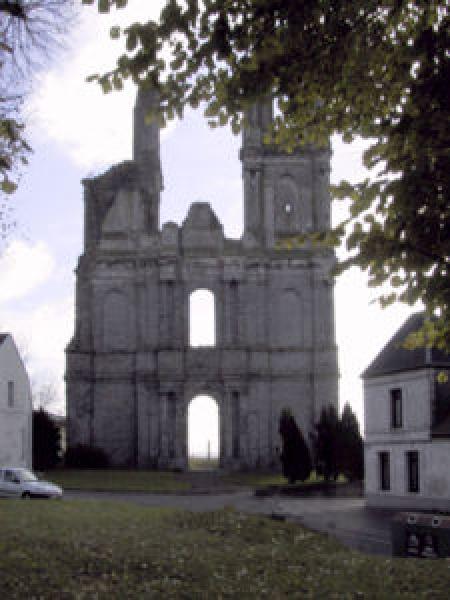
203,464
153,481
68,549
119,480
253,479
257,479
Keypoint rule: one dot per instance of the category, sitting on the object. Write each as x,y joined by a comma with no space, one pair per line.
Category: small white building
407,426
15,407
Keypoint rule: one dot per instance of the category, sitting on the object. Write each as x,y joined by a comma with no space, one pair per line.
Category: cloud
41,335
362,329
41,327
23,267
92,128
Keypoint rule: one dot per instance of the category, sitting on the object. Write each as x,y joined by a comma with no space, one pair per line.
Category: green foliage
295,456
350,446
46,441
377,69
29,31
119,480
117,550
14,149
83,456
338,445
325,443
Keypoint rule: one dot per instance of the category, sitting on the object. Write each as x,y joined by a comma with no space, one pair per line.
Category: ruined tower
131,371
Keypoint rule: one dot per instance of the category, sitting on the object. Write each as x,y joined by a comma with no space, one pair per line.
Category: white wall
15,421
434,474
415,434
416,389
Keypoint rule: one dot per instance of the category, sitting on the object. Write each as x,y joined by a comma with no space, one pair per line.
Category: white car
22,483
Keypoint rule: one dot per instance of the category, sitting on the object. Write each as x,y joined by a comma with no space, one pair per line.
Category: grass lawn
152,481
65,549
203,464
253,479
119,480
258,479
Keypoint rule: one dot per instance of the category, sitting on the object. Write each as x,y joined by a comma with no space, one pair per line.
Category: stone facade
131,372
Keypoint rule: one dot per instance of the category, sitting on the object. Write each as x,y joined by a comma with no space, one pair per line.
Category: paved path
347,519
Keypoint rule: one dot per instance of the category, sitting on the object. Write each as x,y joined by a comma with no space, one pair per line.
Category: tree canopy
376,69
29,30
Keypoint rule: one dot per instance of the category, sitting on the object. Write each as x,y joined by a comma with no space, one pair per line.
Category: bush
83,456
46,441
295,456
325,442
338,445
351,450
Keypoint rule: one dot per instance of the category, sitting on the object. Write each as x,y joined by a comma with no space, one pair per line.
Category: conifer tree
325,441
350,450
295,455
46,441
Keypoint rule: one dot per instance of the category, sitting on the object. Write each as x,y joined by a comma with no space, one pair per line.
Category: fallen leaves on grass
111,550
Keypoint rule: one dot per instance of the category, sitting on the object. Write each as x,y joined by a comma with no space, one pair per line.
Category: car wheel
26,496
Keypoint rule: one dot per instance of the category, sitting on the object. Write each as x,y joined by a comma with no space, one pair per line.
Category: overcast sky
77,132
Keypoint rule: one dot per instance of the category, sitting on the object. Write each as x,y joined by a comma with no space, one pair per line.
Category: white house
407,426
15,407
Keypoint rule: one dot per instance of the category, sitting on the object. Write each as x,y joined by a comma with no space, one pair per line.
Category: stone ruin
131,370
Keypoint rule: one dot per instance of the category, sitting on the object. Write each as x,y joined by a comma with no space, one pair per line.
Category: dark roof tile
393,358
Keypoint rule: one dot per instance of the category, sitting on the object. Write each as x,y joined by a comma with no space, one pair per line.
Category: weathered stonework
131,373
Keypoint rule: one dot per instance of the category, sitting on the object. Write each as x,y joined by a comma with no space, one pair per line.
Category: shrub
46,441
351,451
325,442
338,445
295,456
83,456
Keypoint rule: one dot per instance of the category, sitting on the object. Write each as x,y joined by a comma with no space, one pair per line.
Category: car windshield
26,475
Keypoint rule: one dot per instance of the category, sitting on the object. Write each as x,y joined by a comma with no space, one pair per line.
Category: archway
203,433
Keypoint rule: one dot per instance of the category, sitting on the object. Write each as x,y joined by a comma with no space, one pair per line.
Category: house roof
393,358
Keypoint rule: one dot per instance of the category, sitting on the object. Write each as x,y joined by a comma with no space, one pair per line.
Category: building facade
131,369
15,407
407,426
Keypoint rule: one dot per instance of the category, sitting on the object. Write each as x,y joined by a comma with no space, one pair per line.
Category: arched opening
203,433
202,319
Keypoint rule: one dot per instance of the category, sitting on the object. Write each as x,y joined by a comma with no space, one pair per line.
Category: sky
77,132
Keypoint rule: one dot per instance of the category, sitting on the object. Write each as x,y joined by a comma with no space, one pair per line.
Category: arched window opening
203,433
202,319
